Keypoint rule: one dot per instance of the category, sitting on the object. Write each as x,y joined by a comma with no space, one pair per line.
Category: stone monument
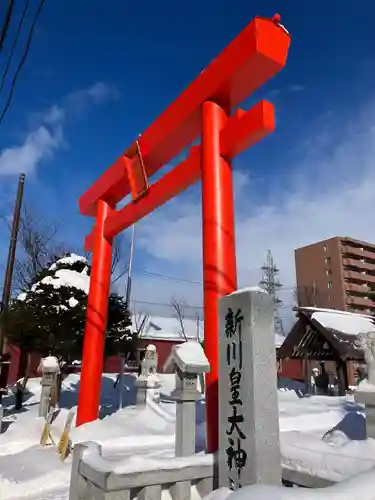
365,394
148,379
249,448
188,361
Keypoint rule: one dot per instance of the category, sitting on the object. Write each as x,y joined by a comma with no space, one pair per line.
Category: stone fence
94,477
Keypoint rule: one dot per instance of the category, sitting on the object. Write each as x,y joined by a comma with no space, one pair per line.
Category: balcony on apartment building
360,301
358,252
359,288
359,276
358,264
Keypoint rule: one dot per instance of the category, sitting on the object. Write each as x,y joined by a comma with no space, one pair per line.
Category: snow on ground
361,486
28,471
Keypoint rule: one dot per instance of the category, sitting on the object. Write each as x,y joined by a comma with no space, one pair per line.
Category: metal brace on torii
203,108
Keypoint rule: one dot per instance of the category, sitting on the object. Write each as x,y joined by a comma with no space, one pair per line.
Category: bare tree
140,320
39,247
178,307
117,253
310,296
202,380
198,327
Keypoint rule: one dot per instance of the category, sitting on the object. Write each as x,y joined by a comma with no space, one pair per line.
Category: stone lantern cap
50,364
188,357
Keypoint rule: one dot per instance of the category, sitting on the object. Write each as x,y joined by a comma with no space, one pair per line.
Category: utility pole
127,302
271,285
7,290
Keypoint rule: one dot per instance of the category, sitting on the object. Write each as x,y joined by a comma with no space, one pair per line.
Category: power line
187,306
15,41
168,278
22,60
6,24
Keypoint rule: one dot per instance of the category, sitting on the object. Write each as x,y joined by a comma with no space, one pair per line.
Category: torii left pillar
96,322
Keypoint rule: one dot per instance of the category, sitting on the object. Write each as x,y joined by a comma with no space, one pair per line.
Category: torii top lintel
250,60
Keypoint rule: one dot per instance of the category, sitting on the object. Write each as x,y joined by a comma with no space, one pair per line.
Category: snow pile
68,278
64,278
323,436
361,487
365,386
341,321
69,260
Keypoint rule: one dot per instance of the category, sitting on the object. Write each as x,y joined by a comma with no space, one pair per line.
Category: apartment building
338,273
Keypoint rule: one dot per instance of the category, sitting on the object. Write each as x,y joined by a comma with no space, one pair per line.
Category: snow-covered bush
50,317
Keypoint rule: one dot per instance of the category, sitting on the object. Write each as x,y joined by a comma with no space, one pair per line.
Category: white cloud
47,134
330,192
37,146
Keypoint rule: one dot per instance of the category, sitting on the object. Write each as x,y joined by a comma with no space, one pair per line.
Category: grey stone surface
367,397
143,385
188,361
78,484
181,490
93,477
249,449
152,492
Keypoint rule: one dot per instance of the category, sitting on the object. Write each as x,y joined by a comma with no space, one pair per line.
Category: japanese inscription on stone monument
236,455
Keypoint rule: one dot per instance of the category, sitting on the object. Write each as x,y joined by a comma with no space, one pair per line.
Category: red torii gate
203,108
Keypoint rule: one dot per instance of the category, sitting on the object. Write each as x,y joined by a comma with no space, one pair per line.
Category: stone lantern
50,369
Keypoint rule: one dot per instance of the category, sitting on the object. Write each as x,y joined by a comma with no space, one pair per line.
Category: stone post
50,369
148,379
249,448
188,361
365,394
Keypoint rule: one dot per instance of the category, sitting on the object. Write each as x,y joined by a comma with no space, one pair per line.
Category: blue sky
98,73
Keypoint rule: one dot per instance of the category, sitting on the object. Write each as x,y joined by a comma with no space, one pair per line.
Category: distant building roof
160,328
326,334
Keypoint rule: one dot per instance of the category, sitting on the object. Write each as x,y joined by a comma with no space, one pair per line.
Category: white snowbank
359,487
134,435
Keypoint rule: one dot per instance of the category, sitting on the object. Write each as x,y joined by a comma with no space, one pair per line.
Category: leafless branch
310,296
140,320
116,252
178,307
37,241
198,327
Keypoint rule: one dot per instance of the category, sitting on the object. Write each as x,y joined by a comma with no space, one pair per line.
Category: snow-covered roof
342,321
160,328
279,339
